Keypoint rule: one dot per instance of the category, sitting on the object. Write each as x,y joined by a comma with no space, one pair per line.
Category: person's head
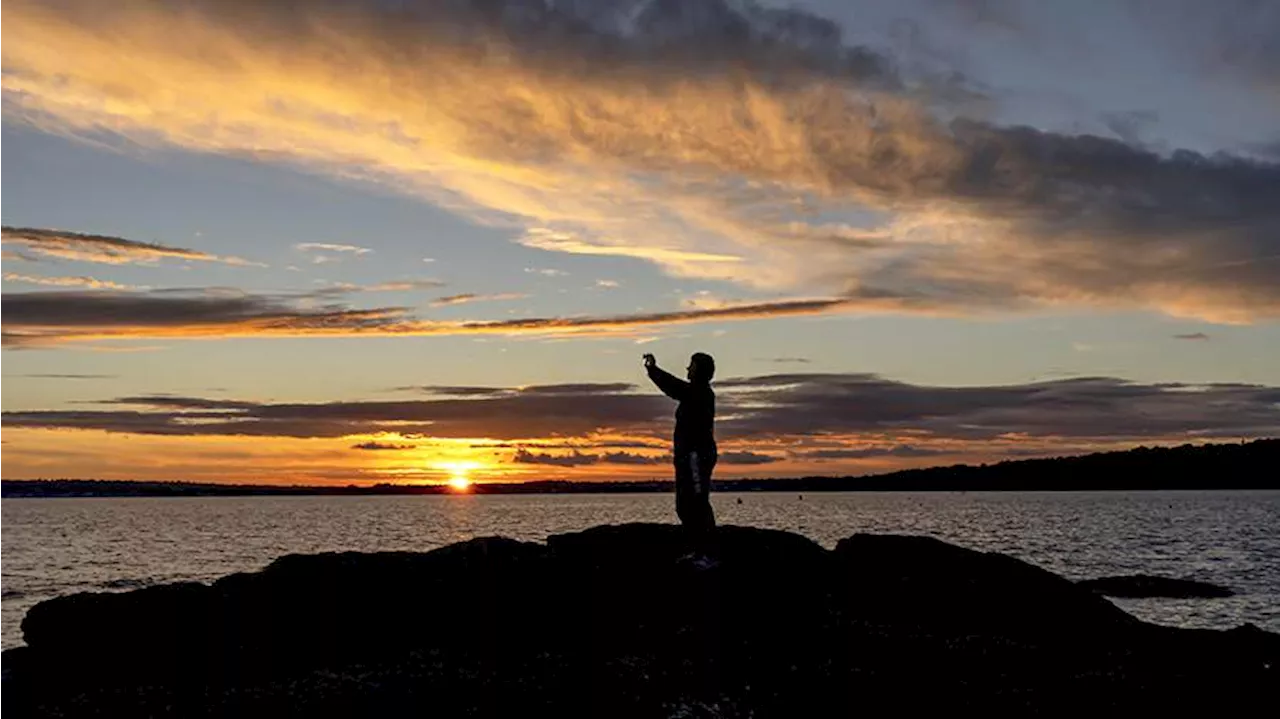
701,367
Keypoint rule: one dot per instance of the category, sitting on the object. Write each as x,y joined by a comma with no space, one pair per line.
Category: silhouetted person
694,448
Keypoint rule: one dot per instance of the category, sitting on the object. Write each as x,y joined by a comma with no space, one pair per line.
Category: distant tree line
1247,465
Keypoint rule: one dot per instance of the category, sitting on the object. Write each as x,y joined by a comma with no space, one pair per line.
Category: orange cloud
710,153
87,282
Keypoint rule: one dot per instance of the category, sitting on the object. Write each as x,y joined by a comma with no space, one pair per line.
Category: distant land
1248,465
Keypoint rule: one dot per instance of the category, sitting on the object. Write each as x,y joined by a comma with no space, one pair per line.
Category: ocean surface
61,546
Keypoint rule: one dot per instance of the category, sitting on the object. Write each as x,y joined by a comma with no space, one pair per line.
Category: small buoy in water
802,498
739,500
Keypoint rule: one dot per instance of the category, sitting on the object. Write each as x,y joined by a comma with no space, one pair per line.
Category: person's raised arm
671,386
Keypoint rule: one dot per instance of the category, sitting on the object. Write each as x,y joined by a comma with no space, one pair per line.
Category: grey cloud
1091,407
33,318
784,405
785,360
67,376
571,388
469,297
634,458
1192,336
47,318
773,405
103,248
578,459
1130,126
573,459
459,390
897,450
744,457
579,388
382,446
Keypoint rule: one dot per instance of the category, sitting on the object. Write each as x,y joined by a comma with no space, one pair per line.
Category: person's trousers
693,492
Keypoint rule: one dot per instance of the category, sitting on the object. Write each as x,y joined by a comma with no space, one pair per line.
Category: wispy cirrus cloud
83,281
469,297
325,252
347,288
105,249
674,132
38,375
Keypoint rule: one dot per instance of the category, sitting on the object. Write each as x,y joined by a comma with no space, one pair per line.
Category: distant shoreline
1248,465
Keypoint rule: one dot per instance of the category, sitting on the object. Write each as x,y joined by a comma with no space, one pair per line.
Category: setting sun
459,473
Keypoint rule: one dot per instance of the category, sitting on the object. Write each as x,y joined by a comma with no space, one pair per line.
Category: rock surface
607,622
1142,586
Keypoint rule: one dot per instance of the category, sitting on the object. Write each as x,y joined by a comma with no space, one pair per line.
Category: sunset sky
357,241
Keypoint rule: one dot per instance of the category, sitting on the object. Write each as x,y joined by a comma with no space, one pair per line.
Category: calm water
60,546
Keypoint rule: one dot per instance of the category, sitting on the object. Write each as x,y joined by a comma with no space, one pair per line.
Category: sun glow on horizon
459,473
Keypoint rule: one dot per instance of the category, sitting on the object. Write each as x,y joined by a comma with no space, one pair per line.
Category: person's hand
649,361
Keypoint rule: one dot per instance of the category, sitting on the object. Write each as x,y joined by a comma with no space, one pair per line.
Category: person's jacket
696,413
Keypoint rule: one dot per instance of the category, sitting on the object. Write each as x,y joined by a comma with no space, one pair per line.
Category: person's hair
704,366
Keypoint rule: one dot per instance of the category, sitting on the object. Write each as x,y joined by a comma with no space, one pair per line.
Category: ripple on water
59,546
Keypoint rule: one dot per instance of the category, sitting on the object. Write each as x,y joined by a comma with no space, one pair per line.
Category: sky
361,241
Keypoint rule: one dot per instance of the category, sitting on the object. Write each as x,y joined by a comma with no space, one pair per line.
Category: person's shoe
703,563
698,561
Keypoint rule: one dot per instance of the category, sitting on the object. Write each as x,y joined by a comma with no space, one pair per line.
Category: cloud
37,318
1095,408
104,248
573,388
1192,336
319,251
326,247
568,388
382,446
859,414
468,297
459,391
608,284
542,238
580,459
405,285
676,133
68,376
338,289
546,271
573,459
897,450
49,318
744,457
88,282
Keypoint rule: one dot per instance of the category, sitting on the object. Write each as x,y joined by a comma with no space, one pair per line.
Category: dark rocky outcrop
1141,586
606,622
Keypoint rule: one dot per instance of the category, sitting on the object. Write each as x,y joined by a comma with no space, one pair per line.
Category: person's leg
701,520
706,465
684,495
